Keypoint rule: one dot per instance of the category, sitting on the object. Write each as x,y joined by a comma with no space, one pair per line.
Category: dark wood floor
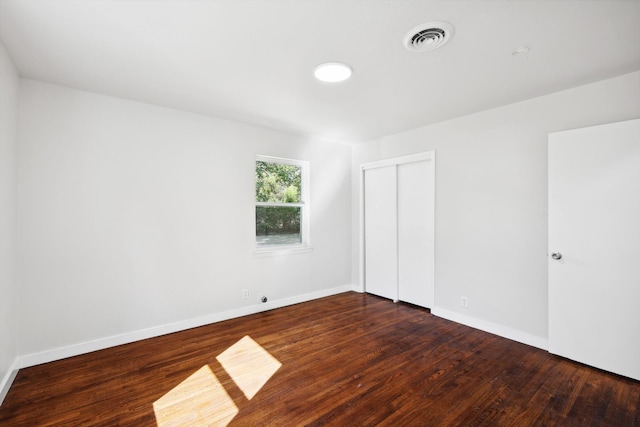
347,360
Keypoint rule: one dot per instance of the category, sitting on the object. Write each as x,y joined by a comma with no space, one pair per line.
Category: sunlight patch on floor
201,400
249,365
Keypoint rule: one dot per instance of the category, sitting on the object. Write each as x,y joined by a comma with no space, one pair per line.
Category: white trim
102,343
492,328
7,381
361,266
397,216
273,159
275,250
394,161
281,204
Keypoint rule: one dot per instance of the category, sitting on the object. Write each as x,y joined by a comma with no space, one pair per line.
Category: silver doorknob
556,255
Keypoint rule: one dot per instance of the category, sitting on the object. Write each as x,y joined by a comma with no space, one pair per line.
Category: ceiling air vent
428,36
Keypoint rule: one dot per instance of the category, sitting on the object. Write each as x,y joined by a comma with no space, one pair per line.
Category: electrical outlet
245,293
465,302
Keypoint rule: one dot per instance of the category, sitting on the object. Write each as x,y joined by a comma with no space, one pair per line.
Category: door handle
556,255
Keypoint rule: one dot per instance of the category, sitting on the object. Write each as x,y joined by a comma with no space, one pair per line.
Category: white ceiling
253,61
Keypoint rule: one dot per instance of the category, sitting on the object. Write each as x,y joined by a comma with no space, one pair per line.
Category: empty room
319,212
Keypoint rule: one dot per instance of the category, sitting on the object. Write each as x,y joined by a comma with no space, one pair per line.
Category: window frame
304,205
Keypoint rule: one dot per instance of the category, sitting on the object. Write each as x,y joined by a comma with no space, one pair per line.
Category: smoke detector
429,36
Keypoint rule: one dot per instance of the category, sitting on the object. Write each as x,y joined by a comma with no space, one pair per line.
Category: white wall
491,201
133,216
9,85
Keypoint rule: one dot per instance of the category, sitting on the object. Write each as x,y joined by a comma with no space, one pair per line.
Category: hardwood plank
348,359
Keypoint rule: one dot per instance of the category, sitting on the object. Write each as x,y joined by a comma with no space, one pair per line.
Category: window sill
282,250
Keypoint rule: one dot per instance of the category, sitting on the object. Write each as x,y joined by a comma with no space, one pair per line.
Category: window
282,209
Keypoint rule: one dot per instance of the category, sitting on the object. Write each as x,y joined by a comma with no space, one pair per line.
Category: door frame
395,161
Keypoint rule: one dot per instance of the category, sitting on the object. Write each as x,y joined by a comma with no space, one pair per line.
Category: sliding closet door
415,232
398,216
381,237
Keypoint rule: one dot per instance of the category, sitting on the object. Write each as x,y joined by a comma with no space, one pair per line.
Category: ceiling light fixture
332,72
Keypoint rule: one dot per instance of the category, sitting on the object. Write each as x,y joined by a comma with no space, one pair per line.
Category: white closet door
415,233
594,236
381,234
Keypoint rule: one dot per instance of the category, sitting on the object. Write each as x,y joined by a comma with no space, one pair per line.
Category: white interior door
381,233
594,225
415,232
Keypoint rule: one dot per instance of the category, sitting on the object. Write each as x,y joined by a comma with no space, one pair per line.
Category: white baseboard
102,343
492,328
6,382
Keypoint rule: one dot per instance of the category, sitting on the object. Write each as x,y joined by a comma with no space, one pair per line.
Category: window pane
277,225
277,182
